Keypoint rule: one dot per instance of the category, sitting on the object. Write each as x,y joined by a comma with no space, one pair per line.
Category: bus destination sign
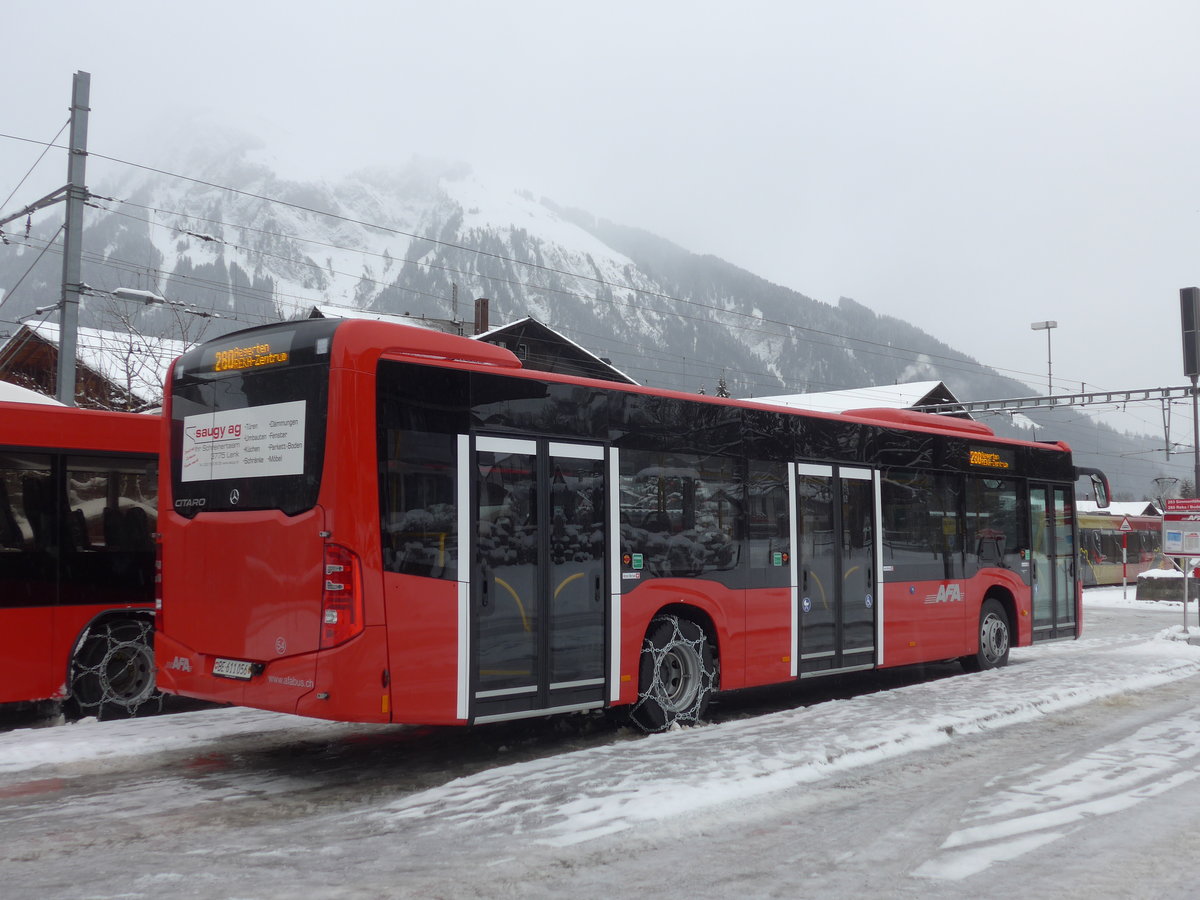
995,458
267,351
248,357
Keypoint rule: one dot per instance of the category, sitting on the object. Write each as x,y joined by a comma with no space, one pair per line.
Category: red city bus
373,522
78,507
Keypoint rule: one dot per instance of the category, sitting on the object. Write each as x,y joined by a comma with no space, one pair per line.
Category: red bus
78,507
1101,542
371,522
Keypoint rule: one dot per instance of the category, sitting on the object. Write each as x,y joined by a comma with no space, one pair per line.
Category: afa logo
947,593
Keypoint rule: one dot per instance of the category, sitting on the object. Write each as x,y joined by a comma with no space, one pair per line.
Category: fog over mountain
412,238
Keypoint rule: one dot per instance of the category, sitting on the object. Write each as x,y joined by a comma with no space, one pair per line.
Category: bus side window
768,524
994,529
10,531
418,513
921,530
681,513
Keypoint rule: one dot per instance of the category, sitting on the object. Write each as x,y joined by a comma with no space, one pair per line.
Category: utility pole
72,286
1189,314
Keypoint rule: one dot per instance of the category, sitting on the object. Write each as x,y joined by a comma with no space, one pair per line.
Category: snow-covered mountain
426,238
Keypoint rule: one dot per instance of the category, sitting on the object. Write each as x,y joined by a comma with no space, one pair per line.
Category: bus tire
677,675
112,672
995,636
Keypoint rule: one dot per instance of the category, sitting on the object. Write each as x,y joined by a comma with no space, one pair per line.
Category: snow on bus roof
332,311
892,396
14,393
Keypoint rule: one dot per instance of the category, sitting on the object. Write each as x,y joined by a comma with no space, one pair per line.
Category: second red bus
78,507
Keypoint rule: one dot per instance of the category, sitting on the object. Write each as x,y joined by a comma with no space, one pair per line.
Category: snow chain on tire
678,674
112,674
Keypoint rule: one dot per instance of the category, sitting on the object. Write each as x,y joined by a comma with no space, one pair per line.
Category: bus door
539,578
837,569
1052,560
29,554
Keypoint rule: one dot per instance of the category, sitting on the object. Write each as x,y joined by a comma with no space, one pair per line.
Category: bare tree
130,358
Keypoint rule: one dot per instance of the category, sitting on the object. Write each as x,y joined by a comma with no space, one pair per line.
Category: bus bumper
304,684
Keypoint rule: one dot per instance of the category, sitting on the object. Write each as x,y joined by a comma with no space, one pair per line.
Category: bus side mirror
1100,489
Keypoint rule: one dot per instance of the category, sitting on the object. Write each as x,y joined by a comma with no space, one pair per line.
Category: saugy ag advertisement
256,442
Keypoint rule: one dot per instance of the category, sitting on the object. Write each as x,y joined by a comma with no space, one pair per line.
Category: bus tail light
341,599
158,573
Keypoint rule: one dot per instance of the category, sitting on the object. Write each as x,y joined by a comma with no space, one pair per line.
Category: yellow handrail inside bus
565,582
520,606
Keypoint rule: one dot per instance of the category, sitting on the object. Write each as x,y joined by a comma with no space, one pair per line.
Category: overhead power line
886,350
36,162
890,351
527,263
1062,400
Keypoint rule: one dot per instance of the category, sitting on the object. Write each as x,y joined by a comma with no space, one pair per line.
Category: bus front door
539,578
836,568
1052,563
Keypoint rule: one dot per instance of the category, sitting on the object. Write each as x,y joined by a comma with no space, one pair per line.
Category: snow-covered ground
221,814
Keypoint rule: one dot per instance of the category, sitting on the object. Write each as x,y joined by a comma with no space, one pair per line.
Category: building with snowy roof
536,345
113,370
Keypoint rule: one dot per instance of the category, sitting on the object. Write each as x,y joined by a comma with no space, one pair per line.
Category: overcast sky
969,167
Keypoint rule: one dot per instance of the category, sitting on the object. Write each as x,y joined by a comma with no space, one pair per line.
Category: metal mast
72,287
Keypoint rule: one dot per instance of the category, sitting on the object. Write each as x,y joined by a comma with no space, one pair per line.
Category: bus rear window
248,422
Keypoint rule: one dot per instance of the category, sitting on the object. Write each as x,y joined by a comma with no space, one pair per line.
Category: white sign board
1181,528
244,443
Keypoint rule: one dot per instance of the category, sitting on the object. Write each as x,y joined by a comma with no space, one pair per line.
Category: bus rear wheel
112,673
994,638
677,675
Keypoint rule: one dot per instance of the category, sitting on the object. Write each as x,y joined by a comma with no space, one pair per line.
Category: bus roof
72,428
361,343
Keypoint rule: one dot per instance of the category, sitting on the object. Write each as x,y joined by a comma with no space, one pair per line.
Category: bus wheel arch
111,670
678,669
997,627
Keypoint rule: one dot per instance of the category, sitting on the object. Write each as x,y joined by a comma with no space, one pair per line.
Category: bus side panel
929,621
352,683
769,647
31,671
724,606
923,621
72,428
1008,582
423,639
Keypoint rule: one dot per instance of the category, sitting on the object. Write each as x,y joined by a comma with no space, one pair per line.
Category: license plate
233,668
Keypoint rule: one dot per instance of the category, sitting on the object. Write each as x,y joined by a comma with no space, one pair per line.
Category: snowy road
1072,773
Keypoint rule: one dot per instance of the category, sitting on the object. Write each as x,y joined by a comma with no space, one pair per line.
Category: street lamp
1166,485
1046,326
149,298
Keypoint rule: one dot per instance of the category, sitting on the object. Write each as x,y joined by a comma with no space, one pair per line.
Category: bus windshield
248,422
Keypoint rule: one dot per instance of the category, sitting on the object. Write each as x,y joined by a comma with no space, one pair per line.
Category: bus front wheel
677,675
112,672
994,639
